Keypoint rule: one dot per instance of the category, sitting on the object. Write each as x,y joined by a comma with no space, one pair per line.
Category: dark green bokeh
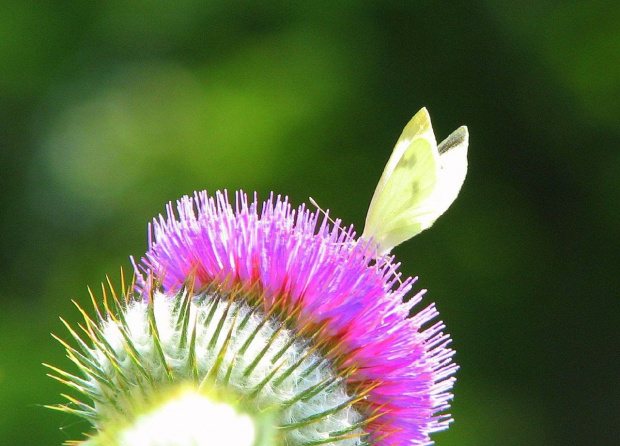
111,109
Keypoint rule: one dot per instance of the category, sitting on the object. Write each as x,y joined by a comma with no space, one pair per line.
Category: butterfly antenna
392,267
320,209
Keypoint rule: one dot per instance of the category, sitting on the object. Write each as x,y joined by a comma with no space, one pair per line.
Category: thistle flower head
281,316
317,279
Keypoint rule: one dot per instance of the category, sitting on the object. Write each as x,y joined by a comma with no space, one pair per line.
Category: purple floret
331,278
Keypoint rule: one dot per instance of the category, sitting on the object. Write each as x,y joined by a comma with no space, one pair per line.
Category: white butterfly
419,183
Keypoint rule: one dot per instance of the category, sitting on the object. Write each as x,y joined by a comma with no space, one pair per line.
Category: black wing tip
458,137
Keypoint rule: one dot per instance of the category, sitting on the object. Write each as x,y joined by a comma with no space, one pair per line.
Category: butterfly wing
408,178
452,170
419,183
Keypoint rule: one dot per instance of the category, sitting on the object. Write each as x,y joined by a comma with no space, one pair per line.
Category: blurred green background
111,109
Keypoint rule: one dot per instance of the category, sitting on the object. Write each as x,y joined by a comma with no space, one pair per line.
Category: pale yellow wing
418,184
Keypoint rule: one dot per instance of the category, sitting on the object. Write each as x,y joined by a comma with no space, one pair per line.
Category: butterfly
418,184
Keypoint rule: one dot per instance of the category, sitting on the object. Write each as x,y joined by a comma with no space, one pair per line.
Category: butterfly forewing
453,169
408,180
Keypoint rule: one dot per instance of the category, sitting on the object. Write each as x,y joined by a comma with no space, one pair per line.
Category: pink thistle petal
328,274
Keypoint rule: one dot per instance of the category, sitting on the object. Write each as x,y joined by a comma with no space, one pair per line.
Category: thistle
260,324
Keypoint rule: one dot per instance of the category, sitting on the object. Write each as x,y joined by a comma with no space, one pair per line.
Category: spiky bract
221,344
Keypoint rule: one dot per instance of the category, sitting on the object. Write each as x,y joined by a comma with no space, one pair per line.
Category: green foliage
111,109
